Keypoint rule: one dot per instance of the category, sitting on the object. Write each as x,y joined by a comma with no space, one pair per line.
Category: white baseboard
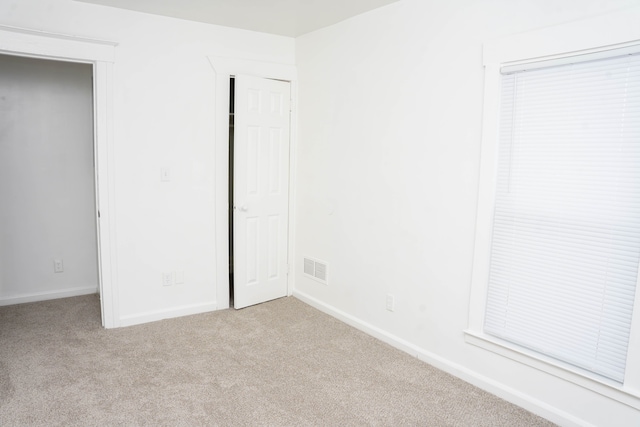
494,387
153,316
44,296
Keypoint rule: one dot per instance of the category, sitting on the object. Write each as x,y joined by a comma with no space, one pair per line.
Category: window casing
566,228
541,49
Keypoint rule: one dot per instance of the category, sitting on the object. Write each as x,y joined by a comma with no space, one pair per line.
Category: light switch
165,174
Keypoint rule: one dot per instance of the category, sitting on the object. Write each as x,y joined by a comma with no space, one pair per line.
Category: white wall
164,117
390,114
389,131
46,179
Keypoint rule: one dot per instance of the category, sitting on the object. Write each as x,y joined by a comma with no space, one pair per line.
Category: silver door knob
244,208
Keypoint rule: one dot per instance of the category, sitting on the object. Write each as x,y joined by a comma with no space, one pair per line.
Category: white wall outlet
58,266
168,279
391,302
179,277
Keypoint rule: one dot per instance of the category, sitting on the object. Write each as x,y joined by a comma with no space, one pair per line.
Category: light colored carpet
282,363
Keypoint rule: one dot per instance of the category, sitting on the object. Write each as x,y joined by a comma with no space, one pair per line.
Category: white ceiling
284,17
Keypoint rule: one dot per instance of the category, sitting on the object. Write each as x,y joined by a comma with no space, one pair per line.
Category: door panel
261,193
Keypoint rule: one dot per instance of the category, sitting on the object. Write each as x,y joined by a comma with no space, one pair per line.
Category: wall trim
603,386
170,313
494,387
25,41
44,296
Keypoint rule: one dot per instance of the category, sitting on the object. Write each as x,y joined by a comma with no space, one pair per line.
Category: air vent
315,269
309,266
321,272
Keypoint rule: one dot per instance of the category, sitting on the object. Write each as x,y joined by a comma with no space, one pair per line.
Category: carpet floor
281,363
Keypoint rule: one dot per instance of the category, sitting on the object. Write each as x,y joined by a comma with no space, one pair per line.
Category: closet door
261,189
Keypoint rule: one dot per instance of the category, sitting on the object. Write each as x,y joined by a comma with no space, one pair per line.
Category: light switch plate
165,174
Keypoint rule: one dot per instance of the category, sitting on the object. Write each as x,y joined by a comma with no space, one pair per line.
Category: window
555,268
565,244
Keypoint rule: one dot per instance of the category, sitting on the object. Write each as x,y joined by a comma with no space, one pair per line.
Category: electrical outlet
58,266
167,279
391,302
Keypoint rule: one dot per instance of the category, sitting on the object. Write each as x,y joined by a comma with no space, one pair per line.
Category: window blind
566,234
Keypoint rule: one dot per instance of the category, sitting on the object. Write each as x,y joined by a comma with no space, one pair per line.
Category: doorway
258,201
101,55
49,246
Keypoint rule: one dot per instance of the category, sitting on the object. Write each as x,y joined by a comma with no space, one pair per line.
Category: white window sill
551,366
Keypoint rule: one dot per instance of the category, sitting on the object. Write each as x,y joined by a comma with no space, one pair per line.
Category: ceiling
284,17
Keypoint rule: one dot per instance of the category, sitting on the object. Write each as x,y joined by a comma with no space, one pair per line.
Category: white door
261,189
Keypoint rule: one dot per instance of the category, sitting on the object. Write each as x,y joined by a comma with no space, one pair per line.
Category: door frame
224,69
100,54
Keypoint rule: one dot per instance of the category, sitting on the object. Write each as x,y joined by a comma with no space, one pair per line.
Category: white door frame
224,69
100,54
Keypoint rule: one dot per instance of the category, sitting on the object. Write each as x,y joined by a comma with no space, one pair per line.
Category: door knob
244,208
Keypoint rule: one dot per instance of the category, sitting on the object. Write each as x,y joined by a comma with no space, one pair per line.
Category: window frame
551,43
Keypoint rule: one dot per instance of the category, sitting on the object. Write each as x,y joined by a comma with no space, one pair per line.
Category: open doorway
48,218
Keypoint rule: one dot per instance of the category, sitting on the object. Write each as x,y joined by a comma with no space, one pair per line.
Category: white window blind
566,237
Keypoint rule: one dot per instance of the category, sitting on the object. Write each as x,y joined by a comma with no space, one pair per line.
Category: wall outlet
58,266
167,279
391,302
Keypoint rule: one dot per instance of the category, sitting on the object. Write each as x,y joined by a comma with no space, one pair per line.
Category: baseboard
44,296
494,387
170,313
